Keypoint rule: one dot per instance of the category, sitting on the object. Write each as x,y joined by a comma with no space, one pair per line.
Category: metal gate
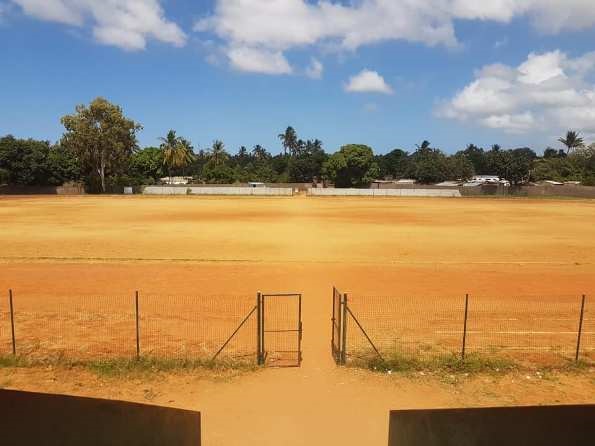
279,338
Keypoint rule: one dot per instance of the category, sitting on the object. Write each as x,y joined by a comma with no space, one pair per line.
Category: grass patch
449,363
125,367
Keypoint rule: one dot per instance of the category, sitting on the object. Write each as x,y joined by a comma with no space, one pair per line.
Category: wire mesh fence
541,330
109,327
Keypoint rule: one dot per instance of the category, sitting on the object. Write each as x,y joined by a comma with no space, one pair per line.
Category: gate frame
261,353
340,353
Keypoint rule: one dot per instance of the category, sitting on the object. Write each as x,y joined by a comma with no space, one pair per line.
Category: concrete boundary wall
35,419
500,426
330,192
201,190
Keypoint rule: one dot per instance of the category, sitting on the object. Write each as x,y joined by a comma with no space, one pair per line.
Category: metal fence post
465,327
333,320
344,332
137,326
259,328
580,328
14,342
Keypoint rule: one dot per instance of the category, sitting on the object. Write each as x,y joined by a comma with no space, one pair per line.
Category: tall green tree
572,141
147,165
352,166
289,139
218,153
395,164
36,163
101,138
177,152
430,165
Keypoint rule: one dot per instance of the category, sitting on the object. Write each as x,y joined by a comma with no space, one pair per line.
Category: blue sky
387,73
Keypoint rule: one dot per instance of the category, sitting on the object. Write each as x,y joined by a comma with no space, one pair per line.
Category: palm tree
572,141
177,152
289,140
218,153
259,152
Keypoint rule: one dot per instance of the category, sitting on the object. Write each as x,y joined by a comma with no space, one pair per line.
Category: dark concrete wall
509,426
35,419
41,190
566,190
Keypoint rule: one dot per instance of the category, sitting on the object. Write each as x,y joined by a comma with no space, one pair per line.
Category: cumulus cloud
548,90
127,24
315,69
259,61
368,82
281,25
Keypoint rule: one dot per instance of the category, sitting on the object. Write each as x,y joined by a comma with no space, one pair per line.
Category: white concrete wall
330,192
189,190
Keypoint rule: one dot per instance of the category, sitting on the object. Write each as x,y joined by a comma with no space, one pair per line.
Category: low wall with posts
32,419
202,190
510,426
422,192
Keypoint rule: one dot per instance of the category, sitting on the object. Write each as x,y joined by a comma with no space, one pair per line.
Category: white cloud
368,82
127,24
281,25
315,69
259,61
546,91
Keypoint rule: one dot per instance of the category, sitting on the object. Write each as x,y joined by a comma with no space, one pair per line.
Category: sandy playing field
56,248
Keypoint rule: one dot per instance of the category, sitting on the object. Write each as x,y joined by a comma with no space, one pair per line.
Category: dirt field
56,248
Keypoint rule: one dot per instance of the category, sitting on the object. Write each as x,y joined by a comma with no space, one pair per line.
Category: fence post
258,328
344,333
333,320
465,327
14,342
580,328
137,326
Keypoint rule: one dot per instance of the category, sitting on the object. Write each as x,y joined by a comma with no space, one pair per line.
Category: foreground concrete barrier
35,419
332,192
506,426
201,190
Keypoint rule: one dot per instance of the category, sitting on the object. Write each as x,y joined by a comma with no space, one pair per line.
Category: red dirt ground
63,246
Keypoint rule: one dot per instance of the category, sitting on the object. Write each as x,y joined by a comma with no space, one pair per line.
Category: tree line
100,148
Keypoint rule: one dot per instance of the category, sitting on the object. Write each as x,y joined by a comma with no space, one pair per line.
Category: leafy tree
243,157
430,165
572,141
395,164
289,140
553,153
177,152
101,138
460,167
217,172
477,157
147,165
513,165
31,162
61,166
352,166
24,160
306,166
